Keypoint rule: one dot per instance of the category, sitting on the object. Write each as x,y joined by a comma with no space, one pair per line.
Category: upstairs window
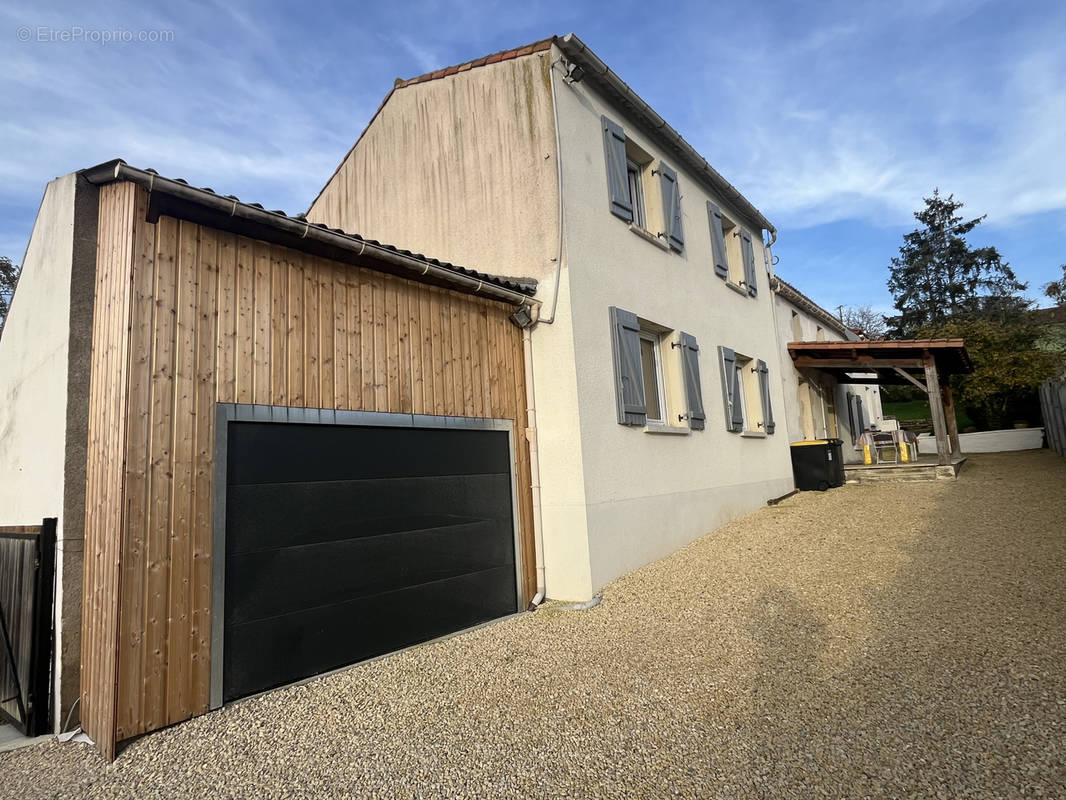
732,251
632,195
635,179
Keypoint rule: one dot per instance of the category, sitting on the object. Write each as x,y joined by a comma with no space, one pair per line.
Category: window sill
736,287
753,435
649,237
673,430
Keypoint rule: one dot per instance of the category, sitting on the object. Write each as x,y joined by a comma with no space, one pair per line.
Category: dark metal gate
27,566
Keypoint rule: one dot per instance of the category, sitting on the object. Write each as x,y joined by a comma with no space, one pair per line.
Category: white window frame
742,397
734,253
635,179
754,424
660,388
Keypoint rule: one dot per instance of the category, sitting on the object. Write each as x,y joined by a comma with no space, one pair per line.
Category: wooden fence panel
1053,408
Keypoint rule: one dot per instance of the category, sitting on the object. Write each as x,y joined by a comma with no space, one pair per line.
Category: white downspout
534,465
527,351
559,188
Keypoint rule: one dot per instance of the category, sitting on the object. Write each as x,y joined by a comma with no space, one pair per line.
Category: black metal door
27,566
347,542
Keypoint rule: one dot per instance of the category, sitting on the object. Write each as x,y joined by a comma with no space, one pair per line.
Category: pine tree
937,275
1056,290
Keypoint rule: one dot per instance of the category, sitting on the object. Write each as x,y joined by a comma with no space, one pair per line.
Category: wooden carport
925,363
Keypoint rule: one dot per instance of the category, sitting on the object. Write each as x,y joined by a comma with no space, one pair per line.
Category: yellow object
810,441
867,455
904,453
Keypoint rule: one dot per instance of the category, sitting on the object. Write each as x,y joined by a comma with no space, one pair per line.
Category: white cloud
861,118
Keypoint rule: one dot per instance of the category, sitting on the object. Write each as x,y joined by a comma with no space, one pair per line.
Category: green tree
1056,290
9,276
1008,367
937,275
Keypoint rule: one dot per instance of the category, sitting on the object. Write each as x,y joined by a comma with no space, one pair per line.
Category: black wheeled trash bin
818,464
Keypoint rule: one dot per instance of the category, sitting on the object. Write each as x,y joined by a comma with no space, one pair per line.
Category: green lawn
919,409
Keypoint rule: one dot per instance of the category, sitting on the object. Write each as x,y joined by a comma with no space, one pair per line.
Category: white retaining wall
990,441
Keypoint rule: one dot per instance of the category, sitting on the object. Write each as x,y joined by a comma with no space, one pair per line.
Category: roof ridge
493,58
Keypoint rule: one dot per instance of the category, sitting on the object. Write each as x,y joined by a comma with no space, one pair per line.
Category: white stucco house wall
817,405
657,367
44,398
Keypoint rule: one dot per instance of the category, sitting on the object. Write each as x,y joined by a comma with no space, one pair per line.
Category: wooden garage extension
211,314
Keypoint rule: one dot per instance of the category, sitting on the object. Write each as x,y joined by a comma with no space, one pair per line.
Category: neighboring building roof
251,219
804,303
614,88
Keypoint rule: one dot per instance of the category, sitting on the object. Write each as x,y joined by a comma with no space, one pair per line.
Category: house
276,446
659,381
273,448
817,405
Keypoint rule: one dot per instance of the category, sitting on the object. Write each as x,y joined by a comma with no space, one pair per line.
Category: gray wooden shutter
671,207
690,368
727,359
721,263
764,393
851,417
614,147
628,378
749,264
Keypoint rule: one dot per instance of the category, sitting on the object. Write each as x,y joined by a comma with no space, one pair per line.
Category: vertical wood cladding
187,316
120,204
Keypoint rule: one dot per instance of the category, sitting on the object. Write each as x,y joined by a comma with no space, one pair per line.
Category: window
742,367
733,252
656,371
745,393
631,191
651,369
635,179
797,328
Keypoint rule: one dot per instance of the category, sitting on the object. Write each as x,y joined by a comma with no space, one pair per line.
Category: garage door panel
273,453
267,653
347,542
272,582
281,515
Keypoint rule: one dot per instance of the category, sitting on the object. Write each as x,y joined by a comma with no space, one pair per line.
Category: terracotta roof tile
495,58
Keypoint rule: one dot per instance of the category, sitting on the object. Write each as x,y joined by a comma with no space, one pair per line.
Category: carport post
936,408
953,424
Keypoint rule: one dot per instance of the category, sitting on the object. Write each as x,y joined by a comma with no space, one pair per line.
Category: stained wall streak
459,146
188,317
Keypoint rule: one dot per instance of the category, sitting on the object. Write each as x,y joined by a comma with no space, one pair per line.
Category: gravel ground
892,640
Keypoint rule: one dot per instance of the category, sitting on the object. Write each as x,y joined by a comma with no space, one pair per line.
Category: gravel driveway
873,641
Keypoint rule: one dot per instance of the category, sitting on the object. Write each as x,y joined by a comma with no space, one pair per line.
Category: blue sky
834,118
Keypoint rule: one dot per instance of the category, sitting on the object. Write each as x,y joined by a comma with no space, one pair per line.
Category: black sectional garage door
346,542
